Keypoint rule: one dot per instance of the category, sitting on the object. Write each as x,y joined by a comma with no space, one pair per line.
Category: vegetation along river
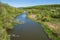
27,30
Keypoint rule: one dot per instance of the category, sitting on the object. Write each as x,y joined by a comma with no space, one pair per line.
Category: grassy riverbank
52,33
49,17
7,19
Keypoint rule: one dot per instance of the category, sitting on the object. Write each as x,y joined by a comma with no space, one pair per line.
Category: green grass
7,17
49,32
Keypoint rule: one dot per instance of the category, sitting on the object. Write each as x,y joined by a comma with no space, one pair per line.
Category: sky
26,3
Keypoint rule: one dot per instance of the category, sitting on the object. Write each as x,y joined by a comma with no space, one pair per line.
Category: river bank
7,20
49,27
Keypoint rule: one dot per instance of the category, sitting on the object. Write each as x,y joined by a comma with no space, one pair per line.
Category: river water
27,30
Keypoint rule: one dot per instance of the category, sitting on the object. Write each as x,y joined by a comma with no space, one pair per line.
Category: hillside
7,16
49,17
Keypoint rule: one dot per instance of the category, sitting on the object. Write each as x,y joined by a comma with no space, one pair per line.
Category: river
27,30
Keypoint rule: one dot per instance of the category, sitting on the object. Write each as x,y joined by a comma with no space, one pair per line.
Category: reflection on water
29,30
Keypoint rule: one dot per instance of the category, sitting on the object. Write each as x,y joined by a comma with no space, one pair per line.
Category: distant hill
42,6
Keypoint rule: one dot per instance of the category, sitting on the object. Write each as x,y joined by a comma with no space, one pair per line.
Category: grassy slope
47,14
7,16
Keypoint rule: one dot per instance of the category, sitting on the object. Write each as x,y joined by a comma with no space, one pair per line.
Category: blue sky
25,3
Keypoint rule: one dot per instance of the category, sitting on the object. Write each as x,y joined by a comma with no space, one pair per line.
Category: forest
47,15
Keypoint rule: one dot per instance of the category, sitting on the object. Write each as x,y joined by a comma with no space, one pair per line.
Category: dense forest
47,15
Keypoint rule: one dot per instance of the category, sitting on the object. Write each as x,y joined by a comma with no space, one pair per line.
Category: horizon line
32,5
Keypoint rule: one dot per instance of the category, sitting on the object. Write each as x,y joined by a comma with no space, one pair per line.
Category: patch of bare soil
32,16
51,25
54,27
